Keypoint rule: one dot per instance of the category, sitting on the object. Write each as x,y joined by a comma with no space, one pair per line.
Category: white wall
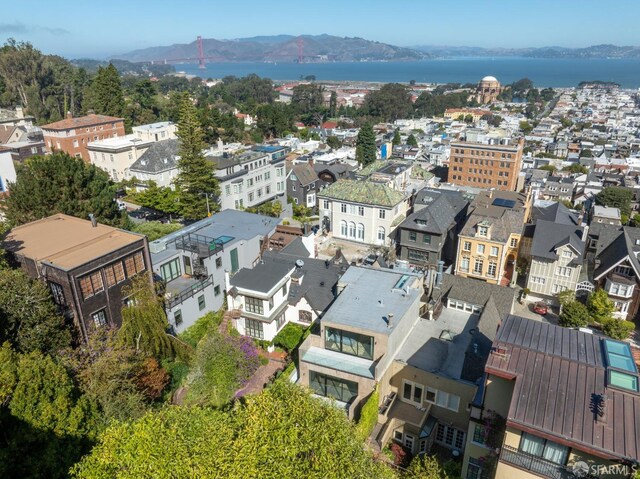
7,170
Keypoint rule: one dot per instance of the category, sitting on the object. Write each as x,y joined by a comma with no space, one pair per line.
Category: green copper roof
365,192
371,168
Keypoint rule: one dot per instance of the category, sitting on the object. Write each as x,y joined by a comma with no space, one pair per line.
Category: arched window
360,232
352,229
343,228
381,236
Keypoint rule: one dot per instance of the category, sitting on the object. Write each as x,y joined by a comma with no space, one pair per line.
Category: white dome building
488,90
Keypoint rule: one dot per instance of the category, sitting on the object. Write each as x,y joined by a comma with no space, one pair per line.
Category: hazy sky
74,28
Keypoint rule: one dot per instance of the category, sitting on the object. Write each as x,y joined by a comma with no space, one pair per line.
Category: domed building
488,90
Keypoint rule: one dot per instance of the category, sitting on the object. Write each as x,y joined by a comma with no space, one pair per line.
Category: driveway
526,311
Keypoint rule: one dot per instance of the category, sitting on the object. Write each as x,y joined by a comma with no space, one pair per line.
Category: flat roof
66,242
126,141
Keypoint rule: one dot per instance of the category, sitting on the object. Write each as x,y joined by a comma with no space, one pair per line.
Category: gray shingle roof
549,236
625,244
305,173
160,156
476,292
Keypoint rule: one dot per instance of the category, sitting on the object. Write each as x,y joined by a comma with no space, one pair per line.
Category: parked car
541,308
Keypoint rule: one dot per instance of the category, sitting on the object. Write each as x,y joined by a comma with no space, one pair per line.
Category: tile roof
557,372
365,192
81,122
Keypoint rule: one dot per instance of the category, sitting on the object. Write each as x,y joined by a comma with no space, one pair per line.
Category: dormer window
624,270
567,254
483,231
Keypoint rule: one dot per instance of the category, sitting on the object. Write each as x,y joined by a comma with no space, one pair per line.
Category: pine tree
396,138
333,104
411,141
105,95
196,182
366,145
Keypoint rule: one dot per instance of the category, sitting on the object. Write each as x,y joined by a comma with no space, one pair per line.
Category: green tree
397,140
154,230
333,104
28,316
526,127
411,141
334,142
161,198
195,181
274,119
550,168
307,98
587,153
616,197
58,183
104,95
574,315
618,328
576,168
366,145
600,306
298,436
424,467
390,102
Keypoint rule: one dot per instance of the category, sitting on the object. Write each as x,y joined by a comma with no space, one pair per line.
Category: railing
203,246
188,293
538,465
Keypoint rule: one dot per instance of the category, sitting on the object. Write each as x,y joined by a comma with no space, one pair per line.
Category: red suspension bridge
201,58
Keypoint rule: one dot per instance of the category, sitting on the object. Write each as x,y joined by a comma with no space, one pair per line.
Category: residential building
303,184
7,171
159,163
554,245
362,211
73,135
455,113
559,188
569,411
161,130
429,234
393,173
489,241
484,165
19,137
193,261
283,288
251,178
86,265
331,173
606,215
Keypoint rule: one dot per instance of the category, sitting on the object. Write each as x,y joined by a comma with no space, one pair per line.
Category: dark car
541,308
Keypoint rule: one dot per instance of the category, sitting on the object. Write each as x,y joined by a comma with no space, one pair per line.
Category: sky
87,28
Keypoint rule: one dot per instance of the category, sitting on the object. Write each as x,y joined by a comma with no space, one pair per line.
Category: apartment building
73,135
86,265
567,403
252,177
488,243
486,165
192,263
362,211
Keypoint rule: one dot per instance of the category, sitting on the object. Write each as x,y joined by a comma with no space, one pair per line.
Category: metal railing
203,246
188,293
538,465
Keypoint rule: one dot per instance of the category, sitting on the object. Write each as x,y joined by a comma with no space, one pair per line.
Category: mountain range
278,48
594,51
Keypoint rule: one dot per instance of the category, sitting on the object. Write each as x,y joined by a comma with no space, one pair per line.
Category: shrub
574,315
401,456
289,337
368,416
617,328
194,333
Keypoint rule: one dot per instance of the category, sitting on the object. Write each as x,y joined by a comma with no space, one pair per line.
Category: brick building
72,135
485,165
85,264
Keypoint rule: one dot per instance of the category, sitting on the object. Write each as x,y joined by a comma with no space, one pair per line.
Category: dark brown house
85,264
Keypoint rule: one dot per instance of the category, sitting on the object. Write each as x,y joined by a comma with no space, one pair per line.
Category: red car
540,308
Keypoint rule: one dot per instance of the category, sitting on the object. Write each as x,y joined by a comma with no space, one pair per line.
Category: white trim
617,264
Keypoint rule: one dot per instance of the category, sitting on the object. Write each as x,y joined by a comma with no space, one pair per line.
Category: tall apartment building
73,135
485,165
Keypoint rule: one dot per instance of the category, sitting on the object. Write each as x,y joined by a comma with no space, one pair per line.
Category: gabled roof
549,236
556,213
365,192
475,291
160,156
624,247
305,173
437,218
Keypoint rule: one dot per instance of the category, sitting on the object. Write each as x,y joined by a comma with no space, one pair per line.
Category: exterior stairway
228,320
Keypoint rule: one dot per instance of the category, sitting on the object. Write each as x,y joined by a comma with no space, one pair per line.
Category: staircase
228,320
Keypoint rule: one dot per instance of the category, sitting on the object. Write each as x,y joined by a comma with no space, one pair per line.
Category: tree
550,168
396,138
366,145
155,230
468,118
333,104
161,198
144,322
274,119
58,183
104,95
411,141
576,168
574,315
334,142
28,316
618,328
424,467
307,99
587,153
282,432
196,182
616,197
600,306
390,102
526,127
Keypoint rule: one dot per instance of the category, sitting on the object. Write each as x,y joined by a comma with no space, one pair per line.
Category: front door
187,265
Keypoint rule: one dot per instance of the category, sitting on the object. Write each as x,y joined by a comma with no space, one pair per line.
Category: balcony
537,465
181,289
203,246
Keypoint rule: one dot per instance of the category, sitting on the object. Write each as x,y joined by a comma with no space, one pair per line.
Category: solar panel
504,203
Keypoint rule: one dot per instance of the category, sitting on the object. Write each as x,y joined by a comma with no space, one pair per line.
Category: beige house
362,211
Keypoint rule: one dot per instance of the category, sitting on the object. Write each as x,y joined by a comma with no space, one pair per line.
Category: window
539,447
422,446
558,288
624,270
564,271
218,263
416,255
325,204
381,214
280,321
348,342
426,239
58,293
99,318
361,210
464,265
91,285
328,386
538,280
479,434
201,302
466,246
397,435
412,392
352,209
450,436
480,249
171,270
381,234
253,328
343,208
360,231
114,274
483,230
408,441
177,317
477,266
134,264
352,229
494,251
305,317
413,236
514,242
343,228
227,189
253,305
216,290
474,470
270,303
491,271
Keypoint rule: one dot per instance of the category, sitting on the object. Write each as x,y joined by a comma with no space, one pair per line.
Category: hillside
594,51
279,48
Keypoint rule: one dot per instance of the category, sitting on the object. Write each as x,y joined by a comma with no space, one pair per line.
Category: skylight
619,356
504,203
623,380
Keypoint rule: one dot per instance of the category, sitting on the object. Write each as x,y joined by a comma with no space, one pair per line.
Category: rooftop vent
299,263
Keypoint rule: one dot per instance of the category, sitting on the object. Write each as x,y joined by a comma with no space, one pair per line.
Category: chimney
19,112
69,115
311,161
440,273
220,144
94,221
389,319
